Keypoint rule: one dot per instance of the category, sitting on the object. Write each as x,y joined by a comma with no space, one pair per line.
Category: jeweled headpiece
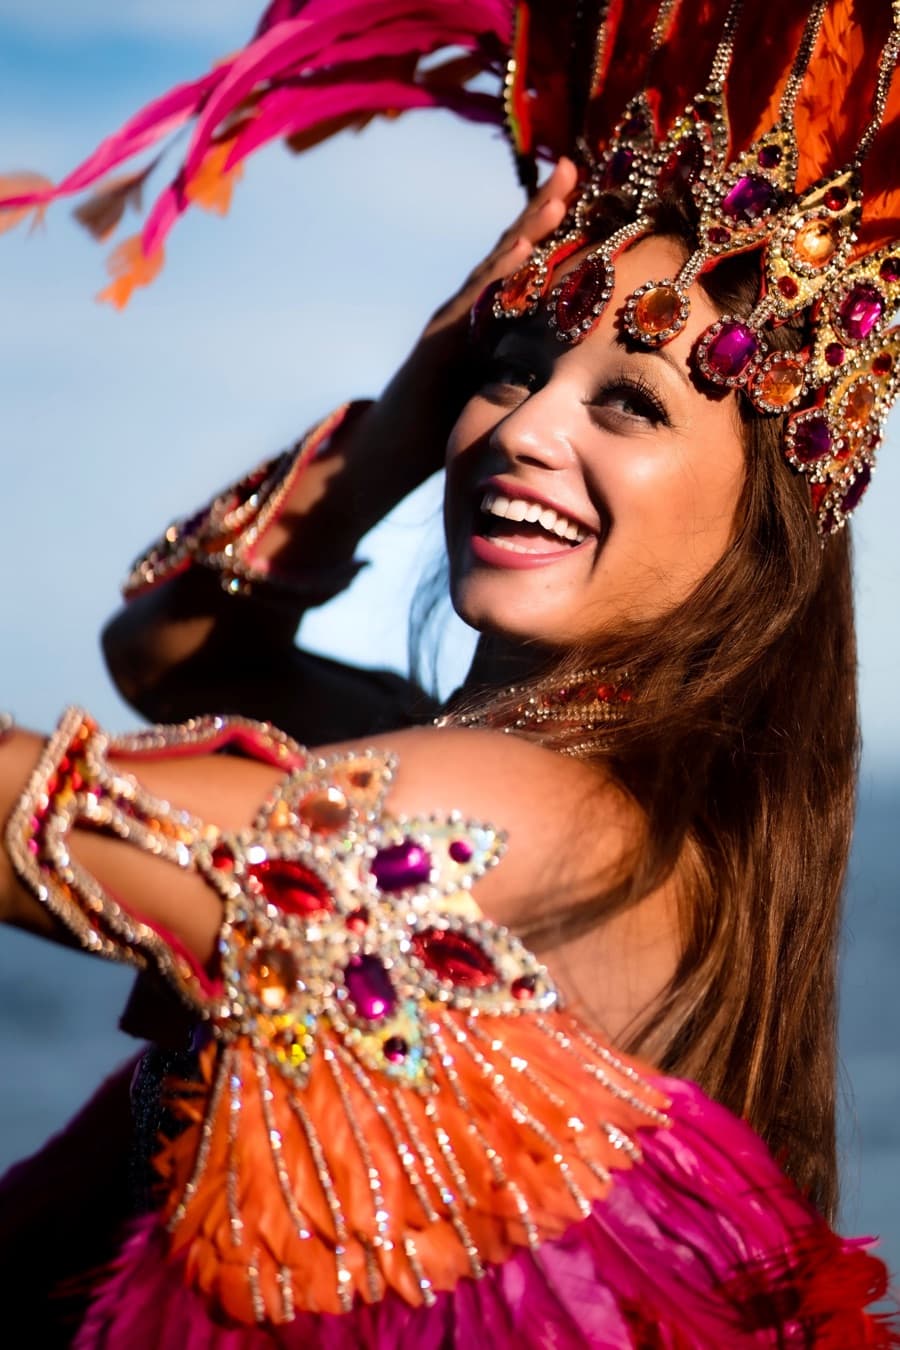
776,121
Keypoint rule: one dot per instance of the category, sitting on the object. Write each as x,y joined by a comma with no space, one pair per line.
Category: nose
537,432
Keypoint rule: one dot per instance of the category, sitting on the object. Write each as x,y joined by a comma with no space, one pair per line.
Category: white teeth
517,509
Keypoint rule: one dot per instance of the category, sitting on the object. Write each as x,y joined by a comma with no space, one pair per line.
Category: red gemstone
834,354
811,439
635,125
883,364
454,957
581,294
717,234
836,198
358,921
769,157
889,270
751,198
523,988
860,311
370,988
732,349
817,494
223,858
291,886
683,166
788,287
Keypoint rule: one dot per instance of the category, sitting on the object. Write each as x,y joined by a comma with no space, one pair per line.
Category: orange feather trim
354,1185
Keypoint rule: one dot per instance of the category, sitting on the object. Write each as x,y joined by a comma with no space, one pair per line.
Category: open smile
513,531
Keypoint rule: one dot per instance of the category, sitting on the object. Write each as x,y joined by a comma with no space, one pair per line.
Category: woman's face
593,484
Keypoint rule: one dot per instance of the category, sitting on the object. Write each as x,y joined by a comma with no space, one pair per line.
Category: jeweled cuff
224,536
82,780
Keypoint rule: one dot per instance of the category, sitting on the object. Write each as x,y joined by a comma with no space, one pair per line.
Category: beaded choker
587,702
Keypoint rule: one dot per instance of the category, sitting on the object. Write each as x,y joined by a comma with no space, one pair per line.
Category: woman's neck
498,662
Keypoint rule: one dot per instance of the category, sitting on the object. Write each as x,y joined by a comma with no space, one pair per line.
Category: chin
516,617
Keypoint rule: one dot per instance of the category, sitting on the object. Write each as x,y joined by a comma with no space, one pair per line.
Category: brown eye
635,400
501,372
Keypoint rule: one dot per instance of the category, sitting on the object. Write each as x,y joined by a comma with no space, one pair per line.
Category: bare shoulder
568,826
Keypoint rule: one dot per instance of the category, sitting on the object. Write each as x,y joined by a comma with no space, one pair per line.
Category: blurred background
113,423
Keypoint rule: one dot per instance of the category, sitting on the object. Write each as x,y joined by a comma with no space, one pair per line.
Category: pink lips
486,551
493,554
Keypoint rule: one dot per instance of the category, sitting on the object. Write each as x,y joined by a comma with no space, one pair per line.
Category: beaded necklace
588,699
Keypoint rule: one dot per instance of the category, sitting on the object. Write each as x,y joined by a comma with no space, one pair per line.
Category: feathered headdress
779,121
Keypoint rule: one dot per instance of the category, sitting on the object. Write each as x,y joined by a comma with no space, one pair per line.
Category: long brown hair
741,750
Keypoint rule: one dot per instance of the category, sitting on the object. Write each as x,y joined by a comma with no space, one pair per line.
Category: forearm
376,458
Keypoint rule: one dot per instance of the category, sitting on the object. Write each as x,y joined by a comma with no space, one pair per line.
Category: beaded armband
393,1099
225,535
84,779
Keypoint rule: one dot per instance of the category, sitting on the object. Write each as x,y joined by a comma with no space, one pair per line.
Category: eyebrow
628,345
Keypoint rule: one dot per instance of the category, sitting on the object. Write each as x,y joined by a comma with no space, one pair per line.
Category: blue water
58,1012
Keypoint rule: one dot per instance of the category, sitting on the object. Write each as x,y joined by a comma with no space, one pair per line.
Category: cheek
680,490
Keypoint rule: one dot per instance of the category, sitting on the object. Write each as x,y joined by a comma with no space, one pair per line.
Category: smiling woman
618,441
369,1116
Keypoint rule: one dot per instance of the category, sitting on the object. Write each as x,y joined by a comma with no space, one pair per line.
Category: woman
681,556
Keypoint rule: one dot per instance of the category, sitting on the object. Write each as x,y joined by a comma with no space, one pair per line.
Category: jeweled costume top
395,1133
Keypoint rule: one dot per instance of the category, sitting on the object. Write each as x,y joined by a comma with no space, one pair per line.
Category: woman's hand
414,415
540,217
399,441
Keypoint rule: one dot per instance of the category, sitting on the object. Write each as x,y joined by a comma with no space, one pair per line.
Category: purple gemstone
395,1049
401,865
860,311
618,169
731,350
369,987
854,494
750,198
769,157
889,270
834,354
811,439
460,851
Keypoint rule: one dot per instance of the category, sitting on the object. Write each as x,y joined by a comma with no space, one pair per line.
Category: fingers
543,214
546,209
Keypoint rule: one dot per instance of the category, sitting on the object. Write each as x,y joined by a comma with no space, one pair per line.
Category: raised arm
187,643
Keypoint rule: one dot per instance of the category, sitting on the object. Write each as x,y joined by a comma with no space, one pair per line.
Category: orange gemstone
657,310
859,404
779,386
325,811
273,976
517,291
815,243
